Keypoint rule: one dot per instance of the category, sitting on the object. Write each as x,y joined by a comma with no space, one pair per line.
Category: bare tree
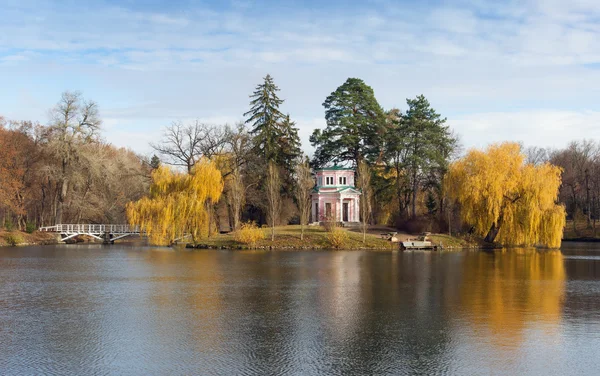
537,155
304,185
273,196
183,145
364,183
236,196
74,122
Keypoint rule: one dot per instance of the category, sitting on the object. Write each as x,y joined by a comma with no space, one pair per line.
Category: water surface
75,310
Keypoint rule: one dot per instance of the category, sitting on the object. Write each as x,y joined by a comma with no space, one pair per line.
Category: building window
342,180
320,181
329,180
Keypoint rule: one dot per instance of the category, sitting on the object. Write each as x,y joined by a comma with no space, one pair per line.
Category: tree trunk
301,231
414,197
399,191
62,193
273,231
587,199
494,230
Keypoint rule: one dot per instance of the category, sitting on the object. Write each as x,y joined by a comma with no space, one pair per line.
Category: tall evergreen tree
289,145
421,142
264,118
275,135
276,144
355,123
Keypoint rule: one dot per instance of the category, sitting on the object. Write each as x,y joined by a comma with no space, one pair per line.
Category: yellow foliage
13,239
495,188
177,204
249,233
501,302
337,237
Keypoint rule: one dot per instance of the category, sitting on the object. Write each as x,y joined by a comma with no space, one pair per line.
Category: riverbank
317,238
580,232
286,238
20,238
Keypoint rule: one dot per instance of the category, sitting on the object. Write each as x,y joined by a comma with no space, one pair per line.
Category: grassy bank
581,231
316,237
15,238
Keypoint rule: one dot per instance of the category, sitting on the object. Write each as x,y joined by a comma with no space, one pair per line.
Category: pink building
334,196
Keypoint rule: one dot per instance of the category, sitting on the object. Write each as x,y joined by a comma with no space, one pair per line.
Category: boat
421,243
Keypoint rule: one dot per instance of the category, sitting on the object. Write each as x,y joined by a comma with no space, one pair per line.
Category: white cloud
545,128
483,64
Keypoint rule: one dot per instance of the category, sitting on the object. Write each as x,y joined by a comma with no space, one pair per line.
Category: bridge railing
92,229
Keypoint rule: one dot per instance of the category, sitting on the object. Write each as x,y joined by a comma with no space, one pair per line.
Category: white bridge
106,233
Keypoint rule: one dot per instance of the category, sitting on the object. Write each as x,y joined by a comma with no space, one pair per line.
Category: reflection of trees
582,264
186,294
385,312
503,292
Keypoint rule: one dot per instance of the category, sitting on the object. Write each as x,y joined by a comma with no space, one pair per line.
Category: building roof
335,168
335,189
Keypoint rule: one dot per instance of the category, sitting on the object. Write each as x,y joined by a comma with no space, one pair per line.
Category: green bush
13,239
30,227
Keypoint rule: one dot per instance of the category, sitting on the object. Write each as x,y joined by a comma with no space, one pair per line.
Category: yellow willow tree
176,205
505,199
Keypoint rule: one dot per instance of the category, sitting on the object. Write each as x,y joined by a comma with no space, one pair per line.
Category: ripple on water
120,310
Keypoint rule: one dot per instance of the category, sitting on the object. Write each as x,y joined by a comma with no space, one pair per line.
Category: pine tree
264,118
154,162
289,147
423,142
355,123
275,136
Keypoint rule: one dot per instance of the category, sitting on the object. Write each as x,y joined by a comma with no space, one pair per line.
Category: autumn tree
74,122
505,199
364,183
304,186
16,154
238,171
580,162
236,196
355,122
176,205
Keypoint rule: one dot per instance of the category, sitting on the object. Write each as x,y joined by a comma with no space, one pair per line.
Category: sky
526,71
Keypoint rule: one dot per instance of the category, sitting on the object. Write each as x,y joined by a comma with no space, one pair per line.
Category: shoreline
582,240
18,238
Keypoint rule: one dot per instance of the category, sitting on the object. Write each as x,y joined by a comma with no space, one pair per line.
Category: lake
124,309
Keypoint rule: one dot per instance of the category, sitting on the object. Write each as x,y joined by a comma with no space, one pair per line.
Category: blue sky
526,71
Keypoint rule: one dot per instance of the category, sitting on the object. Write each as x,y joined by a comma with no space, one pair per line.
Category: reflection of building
334,196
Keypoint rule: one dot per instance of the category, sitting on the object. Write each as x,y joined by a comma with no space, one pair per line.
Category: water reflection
503,291
77,310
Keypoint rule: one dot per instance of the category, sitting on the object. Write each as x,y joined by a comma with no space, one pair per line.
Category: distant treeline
580,189
62,171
